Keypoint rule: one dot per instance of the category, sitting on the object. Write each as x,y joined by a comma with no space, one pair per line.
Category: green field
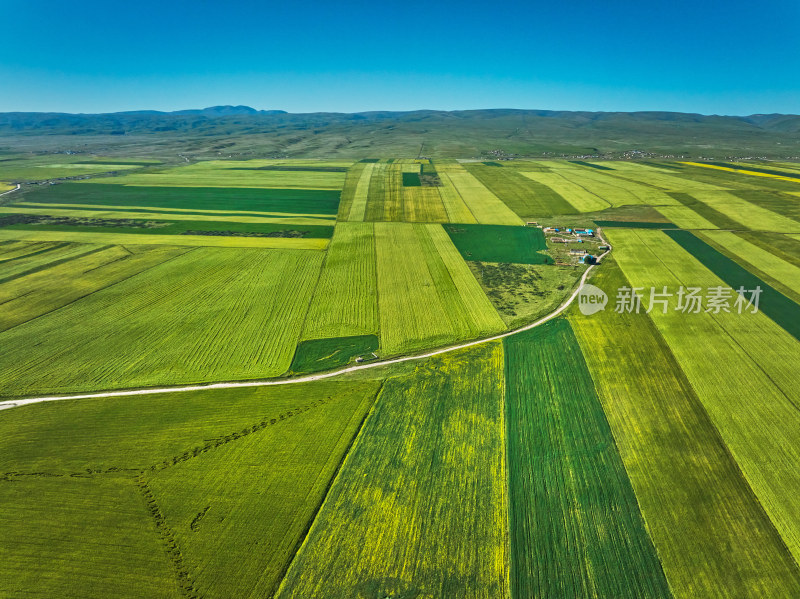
230,173
309,397
576,530
777,306
182,227
427,294
419,506
345,301
752,357
236,313
725,545
143,473
300,201
499,243
523,195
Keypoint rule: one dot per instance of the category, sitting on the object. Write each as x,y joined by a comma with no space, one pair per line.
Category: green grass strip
589,164
312,201
575,526
634,224
190,227
774,304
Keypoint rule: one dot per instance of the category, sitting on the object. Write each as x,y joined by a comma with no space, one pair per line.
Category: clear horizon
355,57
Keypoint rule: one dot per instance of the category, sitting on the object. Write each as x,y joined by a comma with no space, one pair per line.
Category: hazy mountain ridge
245,131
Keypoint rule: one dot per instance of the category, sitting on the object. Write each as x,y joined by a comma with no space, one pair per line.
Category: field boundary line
345,456
13,403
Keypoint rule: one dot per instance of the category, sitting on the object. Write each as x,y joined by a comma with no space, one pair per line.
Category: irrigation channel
325,375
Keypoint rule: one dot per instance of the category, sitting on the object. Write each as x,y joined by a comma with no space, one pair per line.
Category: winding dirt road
316,377
11,190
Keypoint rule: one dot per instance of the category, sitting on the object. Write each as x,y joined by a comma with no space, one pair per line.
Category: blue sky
710,57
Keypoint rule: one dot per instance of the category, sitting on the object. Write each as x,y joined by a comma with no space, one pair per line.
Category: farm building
559,240
576,252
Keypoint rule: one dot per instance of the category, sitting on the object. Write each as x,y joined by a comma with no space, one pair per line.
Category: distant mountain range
210,111
242,130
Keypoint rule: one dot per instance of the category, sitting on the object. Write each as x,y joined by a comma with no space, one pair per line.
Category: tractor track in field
14,403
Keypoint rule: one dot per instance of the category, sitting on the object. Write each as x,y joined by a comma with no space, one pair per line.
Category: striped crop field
345,300
423,205
777,201
485,206
110,237
581,199
179,483
245,505
427,294
748,214
111,213
724,545
686,218
277,428
526,197
779,272
753,357
229,173
419,507
385,199
351,180
753,171
667,180
62,280
455,207
208,314
617,191
358,205
161,226
214,200
31,169
32,262
781,310
575,526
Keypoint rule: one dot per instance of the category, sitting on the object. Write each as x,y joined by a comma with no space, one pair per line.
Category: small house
576,252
